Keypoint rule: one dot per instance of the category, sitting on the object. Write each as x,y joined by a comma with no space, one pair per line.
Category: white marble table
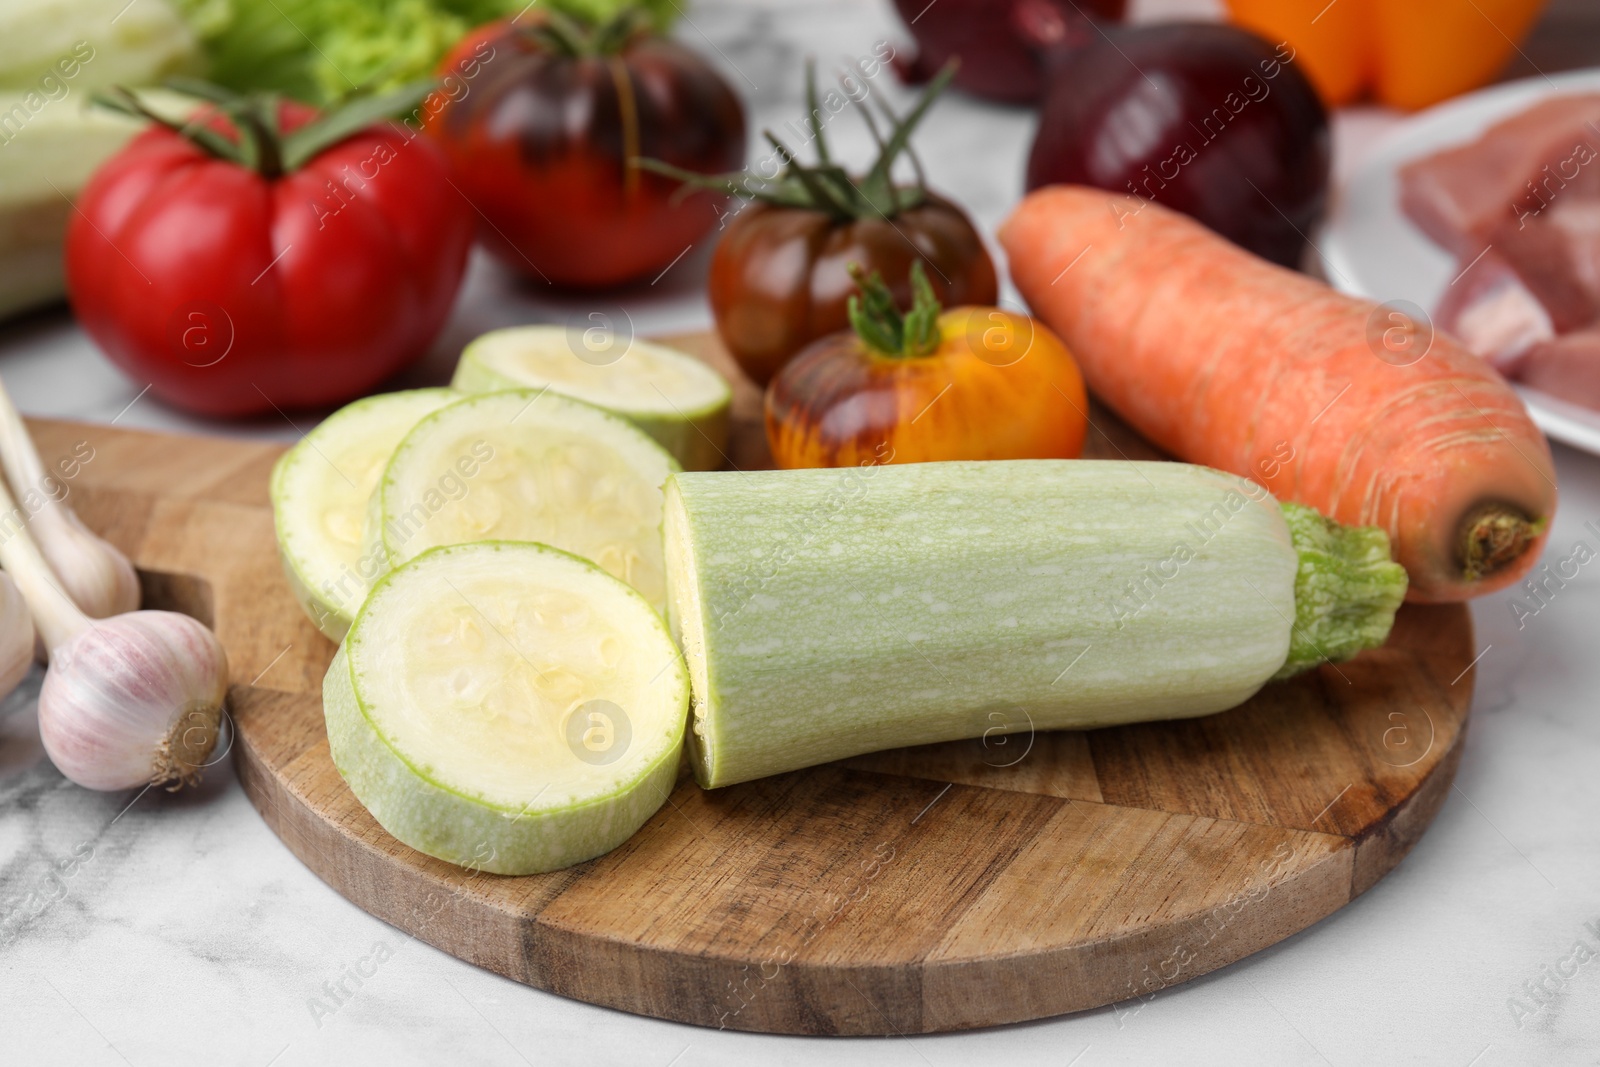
178,929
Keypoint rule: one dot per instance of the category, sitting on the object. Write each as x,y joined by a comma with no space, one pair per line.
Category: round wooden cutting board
940,888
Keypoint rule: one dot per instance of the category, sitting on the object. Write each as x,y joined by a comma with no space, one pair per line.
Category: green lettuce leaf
320,50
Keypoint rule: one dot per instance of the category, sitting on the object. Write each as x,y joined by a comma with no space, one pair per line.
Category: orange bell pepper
1405,53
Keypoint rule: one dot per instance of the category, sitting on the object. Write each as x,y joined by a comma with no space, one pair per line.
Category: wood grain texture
938,888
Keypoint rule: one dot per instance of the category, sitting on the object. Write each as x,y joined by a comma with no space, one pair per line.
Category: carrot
1223,359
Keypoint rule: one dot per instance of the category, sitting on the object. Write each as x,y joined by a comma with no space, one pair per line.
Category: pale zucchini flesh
527,465
676,399
507,707
320,489
827,613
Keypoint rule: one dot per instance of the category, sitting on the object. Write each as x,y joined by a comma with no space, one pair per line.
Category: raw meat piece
1491,311
1557,258
1513,172
1520,209
1567,368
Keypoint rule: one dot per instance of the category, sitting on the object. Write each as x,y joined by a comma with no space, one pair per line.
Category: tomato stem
881,325
258,140
825,186
266,149
567,36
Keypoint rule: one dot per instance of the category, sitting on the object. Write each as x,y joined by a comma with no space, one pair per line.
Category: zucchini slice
527,465
668,394
507,707
319,491
827,613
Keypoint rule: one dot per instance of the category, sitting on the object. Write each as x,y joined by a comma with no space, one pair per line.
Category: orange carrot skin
1223,359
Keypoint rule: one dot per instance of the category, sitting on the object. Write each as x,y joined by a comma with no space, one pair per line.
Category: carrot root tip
1493,536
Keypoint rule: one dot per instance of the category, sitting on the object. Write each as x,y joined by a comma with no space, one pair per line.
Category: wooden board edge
658,983
1381,848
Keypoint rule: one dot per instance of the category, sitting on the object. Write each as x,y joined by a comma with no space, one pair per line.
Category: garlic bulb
16,636
129,700
134,699
98,577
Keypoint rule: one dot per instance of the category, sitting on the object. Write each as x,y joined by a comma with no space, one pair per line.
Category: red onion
998,41
1203,118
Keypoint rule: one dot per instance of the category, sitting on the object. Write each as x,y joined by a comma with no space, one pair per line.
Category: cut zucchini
668,394
827,613
507,707
527,465
320,489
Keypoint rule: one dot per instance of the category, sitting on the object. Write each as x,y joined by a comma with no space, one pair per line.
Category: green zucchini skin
697,438
332,603
460,830
828,613
418,810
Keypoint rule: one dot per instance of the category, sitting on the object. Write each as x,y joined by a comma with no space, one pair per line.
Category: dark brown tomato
541,143
780,276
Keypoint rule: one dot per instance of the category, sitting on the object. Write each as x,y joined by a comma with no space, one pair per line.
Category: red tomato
541,138
234,292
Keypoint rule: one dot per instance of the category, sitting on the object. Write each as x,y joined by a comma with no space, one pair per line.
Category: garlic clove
17,636
98,577
133,700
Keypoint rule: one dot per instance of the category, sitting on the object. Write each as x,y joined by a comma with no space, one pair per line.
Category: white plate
1371,249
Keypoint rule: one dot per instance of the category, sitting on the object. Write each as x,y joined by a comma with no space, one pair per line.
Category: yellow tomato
997,386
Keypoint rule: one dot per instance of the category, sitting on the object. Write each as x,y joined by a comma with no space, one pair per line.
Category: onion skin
134,700
1205,119
1000,386
997,43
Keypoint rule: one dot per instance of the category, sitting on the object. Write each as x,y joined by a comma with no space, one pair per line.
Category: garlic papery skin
98,577
134,700
17,636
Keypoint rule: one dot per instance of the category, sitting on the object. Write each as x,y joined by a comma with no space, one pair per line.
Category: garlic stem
56,616
16,636
99,579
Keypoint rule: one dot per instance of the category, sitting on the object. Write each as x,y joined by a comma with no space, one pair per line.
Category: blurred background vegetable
779,276
112,41
926,384
1207,119
1406,53
53,53
996,42
45,159
319,50
546,144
